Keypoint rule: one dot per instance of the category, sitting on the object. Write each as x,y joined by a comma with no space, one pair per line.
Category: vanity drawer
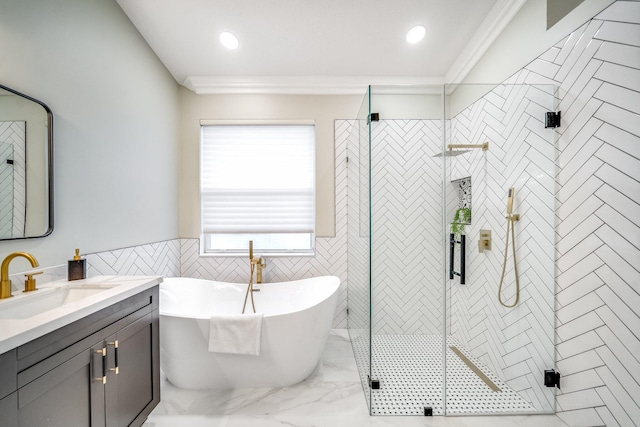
9,410
41,348
44,366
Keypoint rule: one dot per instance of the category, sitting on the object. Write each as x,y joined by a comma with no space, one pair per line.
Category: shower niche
426,341
462,187
462,212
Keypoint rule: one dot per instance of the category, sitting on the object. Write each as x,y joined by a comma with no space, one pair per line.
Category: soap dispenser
77,267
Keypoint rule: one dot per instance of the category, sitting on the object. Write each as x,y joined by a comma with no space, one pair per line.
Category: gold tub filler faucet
254,263
5,285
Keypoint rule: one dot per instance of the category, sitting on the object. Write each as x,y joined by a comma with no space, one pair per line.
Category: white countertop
15,332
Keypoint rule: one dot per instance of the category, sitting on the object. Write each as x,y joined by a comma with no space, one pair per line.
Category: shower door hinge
551,378
374,384
552,119
373,117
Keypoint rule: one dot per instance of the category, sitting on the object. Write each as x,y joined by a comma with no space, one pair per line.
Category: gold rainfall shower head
484,146
451,147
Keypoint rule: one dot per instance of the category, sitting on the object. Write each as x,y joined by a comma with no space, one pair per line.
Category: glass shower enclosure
429,332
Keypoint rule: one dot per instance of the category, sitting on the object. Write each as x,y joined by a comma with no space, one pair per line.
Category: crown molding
495,22
305,85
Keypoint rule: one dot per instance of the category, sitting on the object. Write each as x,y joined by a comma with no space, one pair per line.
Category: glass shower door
406,229
426,341
498,347
358,245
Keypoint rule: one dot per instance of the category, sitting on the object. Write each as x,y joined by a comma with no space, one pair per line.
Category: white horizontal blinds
258,179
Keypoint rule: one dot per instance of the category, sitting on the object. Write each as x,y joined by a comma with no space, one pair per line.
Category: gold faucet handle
484,242
260,263
30,283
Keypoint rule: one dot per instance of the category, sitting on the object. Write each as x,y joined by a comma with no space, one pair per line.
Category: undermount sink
25,305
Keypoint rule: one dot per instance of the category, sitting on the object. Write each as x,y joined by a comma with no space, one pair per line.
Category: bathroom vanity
92,361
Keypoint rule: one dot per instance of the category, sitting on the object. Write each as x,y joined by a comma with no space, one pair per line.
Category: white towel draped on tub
235,334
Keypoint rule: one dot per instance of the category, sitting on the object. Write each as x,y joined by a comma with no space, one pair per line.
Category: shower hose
510,220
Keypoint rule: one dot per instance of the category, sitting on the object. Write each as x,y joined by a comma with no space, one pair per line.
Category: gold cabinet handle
115,369
103,352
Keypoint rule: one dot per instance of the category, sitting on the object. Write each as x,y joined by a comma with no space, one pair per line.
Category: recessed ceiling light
228,40
416,34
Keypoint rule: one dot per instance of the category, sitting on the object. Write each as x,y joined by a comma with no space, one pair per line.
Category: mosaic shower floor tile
410,371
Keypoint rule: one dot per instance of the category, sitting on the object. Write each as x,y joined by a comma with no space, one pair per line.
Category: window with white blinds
257,182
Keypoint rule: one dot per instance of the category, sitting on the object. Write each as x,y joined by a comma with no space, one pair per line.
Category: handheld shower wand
511,219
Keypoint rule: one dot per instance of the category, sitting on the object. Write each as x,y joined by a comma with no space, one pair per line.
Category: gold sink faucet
5,285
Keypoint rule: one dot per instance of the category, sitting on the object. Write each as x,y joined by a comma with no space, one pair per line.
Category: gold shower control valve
484,242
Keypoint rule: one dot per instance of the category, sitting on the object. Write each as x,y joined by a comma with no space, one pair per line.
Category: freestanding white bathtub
297,319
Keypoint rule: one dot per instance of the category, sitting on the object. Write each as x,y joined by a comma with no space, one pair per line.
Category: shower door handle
463,239
452,250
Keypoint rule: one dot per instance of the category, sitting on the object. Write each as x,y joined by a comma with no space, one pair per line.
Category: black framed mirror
26,166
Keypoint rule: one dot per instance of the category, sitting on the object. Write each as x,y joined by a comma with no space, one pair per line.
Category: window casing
257,182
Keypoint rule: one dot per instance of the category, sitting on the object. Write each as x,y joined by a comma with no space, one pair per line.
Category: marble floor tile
351,421
331,397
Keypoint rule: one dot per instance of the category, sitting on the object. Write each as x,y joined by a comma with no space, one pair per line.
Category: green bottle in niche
77,269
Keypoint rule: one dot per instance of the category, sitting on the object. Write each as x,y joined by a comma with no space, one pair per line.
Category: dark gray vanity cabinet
9,410
130,373
67,395
102,370
8,387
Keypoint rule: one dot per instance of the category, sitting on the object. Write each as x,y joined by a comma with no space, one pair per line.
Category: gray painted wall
116,114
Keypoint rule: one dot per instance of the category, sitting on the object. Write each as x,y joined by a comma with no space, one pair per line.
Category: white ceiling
332,45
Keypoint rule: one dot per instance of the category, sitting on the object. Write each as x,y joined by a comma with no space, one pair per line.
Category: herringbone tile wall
13,203
153,259
597,70
6,189
517,344
406,224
